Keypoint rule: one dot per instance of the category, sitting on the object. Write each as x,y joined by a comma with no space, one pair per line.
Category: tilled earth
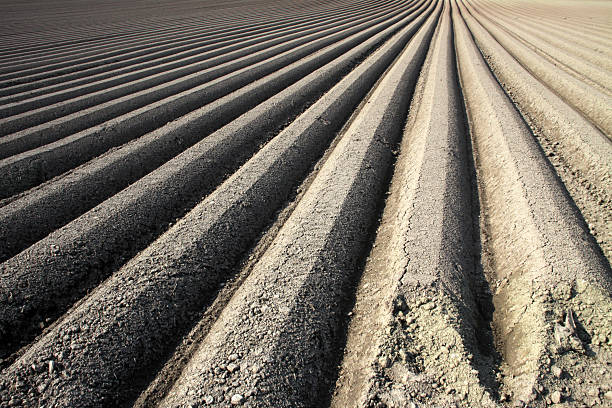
401,203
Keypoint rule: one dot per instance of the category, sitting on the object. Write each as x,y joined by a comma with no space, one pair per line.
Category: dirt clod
555,397
237,399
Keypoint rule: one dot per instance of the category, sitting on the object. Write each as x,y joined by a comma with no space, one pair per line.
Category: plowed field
397,203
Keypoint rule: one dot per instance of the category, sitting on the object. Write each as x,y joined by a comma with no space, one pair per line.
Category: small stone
429,306
384,361
51,366
593,392
608,395
557,371
231,367
233,357
555,397
581,285
236,399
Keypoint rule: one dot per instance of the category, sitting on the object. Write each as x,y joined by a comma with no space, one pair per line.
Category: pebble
557,371
593,392
233,357
608,395
237,399
429,306
231,367
384,361
555,397
581,285
51,366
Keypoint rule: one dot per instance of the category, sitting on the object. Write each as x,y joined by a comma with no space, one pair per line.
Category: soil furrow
580,31
81,69
562,41
222,15
292,306
581,70
321,203
92,85
140,67
419,327
184,37
119,343
50,64
170,28
31,168
530,231
592,103
172,81
213,27
27,220
582,153
75,261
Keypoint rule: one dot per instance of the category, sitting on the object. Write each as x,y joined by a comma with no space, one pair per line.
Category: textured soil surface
398,203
